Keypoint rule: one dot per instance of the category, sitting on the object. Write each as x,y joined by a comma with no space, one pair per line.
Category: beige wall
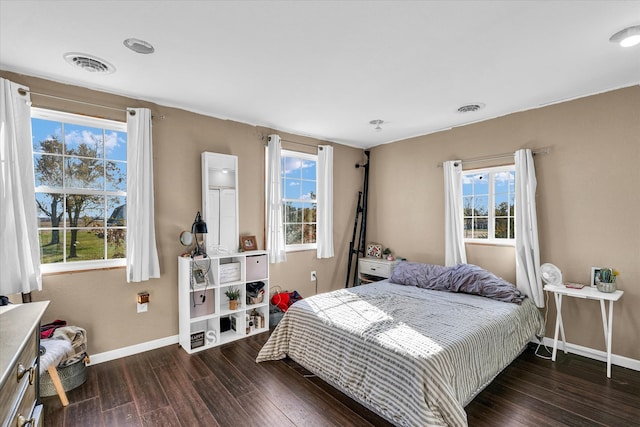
588,200
102,301
588,204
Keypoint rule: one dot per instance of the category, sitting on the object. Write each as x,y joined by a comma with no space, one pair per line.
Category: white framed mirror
220,202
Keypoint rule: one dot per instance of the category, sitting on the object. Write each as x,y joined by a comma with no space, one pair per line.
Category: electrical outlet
313,276
143,302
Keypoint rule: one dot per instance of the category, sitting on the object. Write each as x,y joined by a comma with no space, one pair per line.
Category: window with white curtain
80,166
488,200
299,190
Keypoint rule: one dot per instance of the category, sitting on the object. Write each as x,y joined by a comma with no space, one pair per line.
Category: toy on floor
284,300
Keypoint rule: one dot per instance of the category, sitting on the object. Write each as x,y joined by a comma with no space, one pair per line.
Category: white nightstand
585,293
374,269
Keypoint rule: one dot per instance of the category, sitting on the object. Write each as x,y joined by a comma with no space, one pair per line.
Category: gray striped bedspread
414,356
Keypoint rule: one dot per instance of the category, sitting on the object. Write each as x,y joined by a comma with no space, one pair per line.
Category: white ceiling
327,68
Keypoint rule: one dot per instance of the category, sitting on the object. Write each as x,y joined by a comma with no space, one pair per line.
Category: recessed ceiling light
471,108
89,63
139,46
377,123
628,37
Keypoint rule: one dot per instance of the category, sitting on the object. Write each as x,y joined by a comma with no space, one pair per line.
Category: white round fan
551,275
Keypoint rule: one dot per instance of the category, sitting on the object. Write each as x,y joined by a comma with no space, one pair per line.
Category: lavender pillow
417,274
471,279
465,278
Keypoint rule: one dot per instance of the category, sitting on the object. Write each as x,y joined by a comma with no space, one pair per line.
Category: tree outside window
299,199
80,174
488,197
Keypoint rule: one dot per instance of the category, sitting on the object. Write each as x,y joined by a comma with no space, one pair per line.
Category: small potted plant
387,254
234,295
607,281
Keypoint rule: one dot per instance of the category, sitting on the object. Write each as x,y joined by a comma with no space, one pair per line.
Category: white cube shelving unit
205,318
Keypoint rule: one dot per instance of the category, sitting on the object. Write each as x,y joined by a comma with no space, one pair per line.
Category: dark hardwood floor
224,386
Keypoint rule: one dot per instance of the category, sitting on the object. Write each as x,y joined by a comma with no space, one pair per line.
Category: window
488,199
80,166
299,199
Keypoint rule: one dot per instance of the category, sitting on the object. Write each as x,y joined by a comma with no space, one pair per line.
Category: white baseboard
133,349
625,362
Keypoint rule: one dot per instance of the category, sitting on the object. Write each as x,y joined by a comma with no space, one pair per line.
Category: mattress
414,356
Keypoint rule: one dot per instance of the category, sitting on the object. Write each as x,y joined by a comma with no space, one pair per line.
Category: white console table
585,293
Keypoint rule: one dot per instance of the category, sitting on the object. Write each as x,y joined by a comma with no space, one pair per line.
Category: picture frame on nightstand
374,250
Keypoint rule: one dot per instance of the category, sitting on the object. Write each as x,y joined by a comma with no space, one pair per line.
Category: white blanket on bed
414,356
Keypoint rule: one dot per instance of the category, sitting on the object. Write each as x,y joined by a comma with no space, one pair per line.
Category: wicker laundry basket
71,376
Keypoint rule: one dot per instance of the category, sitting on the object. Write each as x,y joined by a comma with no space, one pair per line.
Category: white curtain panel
275,220
142,253
19,248
455,252
324,220
528,278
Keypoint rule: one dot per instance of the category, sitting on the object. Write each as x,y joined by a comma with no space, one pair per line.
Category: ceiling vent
470,108
89,63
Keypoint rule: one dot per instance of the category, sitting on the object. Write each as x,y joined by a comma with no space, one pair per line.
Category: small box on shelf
225,324
230,272
197,339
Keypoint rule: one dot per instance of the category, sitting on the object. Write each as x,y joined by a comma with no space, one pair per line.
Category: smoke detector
89,63
139,46
471,108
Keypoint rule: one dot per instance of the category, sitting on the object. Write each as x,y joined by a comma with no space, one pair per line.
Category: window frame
302,156
491,217
95,122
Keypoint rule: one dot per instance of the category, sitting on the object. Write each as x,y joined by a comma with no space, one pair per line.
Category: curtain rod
23,92
319,147
544,150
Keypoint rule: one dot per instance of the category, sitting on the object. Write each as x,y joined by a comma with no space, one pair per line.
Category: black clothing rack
361,214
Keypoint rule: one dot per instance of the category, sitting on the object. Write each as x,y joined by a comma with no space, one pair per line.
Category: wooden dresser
19,344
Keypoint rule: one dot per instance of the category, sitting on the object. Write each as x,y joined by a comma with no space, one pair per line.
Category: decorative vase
606,287
233,304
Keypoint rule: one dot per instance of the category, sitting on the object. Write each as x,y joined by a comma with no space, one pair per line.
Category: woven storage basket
71,377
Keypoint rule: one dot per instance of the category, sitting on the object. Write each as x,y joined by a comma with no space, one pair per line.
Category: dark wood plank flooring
225,387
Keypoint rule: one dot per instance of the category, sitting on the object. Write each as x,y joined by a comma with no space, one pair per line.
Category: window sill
301,248
511,243
82,267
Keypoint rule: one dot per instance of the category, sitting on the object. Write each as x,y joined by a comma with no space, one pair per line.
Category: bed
415,353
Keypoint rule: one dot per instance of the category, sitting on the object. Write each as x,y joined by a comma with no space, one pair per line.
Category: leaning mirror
220,202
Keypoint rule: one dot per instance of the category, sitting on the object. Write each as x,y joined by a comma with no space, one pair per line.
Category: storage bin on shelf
229,272
255,292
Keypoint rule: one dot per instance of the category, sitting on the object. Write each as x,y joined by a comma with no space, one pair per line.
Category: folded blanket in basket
78,339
